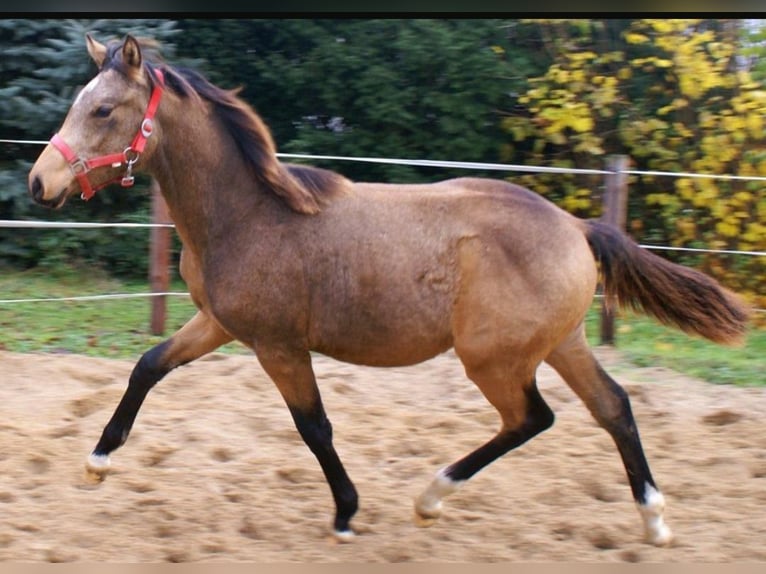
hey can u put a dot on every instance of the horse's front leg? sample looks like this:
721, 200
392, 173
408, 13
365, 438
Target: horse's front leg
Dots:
291, 371
196, 338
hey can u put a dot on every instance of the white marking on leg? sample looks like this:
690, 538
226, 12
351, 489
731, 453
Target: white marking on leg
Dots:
657, 532
429, 503
344, 535
96, 468
98, 463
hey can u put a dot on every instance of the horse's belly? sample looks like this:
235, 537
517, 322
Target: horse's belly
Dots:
394, 353
394, 337
390, 307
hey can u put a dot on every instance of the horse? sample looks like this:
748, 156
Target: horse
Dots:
292, 260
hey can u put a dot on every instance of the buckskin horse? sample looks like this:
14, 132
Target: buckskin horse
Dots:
292, 259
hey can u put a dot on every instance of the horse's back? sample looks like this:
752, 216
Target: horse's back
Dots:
530, 229
478, 199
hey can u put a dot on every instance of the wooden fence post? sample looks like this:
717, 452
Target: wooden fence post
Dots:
159, 259
615, 209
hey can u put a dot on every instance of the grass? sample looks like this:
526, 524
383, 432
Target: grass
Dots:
115, 328
646, 343
120, 328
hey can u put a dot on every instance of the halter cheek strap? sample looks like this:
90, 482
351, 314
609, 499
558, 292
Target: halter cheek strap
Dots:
80, 167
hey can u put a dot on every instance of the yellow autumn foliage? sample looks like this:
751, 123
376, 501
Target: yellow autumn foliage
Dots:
696, 113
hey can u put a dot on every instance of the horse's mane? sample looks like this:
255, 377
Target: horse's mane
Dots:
305, 189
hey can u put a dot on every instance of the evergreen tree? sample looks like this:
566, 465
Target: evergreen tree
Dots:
43, 66
422, 88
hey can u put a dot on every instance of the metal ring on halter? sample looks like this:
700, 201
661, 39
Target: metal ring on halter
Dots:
128, 179
130, 161
147, 126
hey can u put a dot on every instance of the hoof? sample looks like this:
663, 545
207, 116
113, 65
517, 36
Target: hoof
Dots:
424, 521
657, 532
427, 515
662, 536
428, 506
343, 536
96, 468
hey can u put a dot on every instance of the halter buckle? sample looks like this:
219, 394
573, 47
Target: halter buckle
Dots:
79, 167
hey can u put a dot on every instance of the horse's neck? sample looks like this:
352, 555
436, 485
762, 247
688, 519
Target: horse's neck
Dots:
204, 180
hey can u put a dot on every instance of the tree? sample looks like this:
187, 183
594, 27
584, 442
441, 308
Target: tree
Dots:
44, 64
425, 89
674, 96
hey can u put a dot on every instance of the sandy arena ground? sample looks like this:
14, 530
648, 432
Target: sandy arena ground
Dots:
214, 470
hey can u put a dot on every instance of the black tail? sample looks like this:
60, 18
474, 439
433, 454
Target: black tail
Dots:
671, 293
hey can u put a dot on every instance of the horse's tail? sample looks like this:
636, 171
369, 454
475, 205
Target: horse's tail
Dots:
671, 293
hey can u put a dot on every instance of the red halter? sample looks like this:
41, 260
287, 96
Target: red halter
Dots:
80, 167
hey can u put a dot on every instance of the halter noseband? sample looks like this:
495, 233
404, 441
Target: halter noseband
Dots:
80, 167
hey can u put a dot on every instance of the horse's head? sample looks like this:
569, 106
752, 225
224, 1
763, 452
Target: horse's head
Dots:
106, 133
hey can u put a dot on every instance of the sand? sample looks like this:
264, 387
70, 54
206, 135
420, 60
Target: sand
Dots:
215, 471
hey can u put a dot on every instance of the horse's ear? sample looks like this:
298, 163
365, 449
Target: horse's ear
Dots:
96, 50
131, 52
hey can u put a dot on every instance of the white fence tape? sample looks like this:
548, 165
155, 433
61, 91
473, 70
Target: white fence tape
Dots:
483, 166
5, 223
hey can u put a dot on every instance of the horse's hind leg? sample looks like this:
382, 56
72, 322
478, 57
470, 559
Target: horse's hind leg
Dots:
197, 337
524, 414
610, 406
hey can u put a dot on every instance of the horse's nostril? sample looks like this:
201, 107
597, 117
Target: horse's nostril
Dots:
36, 189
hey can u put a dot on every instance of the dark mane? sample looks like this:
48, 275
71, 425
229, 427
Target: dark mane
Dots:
304, 189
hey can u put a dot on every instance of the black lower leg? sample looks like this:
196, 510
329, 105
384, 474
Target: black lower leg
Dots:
539, 418
316, 431
624, 432
147, 372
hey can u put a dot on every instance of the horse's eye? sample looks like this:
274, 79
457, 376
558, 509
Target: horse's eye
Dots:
103, 111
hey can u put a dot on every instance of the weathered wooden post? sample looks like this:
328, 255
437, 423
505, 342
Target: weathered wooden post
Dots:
615, 207
159, 259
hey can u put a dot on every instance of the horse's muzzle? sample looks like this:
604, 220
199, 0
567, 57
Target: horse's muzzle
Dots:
36, 189
37, 192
